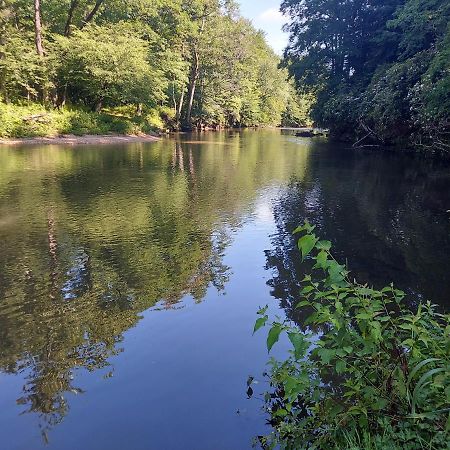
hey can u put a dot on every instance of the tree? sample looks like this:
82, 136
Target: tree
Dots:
109, 66
371, 65
38, 28
193, 63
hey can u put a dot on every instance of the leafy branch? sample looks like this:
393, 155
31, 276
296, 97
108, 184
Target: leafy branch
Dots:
377, 372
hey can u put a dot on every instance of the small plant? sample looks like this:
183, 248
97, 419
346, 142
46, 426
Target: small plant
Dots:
372, 375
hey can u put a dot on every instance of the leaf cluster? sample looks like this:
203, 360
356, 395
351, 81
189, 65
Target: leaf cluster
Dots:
374, 374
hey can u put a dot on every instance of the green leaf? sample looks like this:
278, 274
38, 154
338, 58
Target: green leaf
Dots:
302, 304
326, 355
324, 245
419, 366
280, 413
306, 244
274, 335
364, 316
307, 290
322, 260
299, 229
418, 390
299, 343
305, 227
380, 403
340, 367
260, 323
263, 311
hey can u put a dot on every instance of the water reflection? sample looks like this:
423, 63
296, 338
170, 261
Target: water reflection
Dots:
91, 237
386, 215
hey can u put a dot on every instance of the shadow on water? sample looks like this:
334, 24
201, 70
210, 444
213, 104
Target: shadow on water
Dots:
387, 216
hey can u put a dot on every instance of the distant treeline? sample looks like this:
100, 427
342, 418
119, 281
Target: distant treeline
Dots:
380, 68
197, 62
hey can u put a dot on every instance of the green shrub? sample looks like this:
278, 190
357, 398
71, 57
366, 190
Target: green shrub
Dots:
34, 120
372, 375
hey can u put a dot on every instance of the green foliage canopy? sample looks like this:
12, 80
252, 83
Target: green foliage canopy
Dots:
380, 69
198, 63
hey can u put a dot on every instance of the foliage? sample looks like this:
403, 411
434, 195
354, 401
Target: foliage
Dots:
200, 59
297, 112
34, 120
22, 74
365, 371
380, 69
108, 66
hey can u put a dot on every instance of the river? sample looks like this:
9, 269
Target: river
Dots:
130, 276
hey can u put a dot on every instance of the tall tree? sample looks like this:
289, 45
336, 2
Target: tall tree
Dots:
38, 28
73, 6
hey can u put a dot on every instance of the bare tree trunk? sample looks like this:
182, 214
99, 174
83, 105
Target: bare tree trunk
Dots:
192, 86
180, 106
73, 6
91, 15
195, 72
38, 28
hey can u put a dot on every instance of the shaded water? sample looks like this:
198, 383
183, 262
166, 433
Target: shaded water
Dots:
130, 276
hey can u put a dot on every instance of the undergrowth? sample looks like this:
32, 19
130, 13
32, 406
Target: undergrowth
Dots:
374, 374
33, 120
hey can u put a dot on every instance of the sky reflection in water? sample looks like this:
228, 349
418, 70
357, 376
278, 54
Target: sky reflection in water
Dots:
130, 276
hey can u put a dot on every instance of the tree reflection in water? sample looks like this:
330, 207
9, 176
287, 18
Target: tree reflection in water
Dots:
384, 214
92, 237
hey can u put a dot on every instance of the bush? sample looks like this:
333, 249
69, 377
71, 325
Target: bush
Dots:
374, 375
34, 120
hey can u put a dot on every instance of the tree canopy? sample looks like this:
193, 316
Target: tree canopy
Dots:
378, 67
199, 63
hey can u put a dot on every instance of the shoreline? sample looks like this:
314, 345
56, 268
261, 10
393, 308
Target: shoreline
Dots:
88, 139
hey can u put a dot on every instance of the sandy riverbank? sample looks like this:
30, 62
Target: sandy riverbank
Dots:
80, 140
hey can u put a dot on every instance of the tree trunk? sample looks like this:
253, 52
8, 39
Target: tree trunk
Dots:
180, 107
3, 28
174, 99
73, 7
38, 28
192, 86
195, 72
99, 106
91, 15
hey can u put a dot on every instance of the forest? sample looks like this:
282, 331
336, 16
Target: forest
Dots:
137, 65
375, 72
379, 69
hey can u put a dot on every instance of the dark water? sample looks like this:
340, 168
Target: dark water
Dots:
130, 276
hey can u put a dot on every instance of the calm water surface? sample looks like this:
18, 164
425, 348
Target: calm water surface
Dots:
130, 276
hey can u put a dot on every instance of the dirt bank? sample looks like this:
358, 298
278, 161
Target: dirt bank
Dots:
80, 140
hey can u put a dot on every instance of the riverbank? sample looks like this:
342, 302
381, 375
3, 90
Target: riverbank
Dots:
34, 123
88, 139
